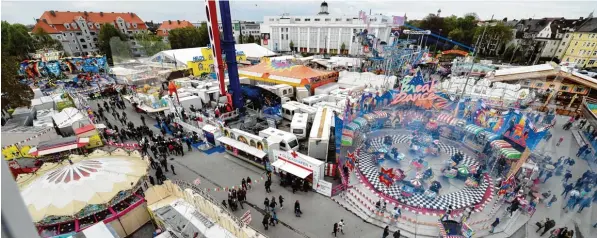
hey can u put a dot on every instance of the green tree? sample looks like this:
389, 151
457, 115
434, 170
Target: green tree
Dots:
189, 37
498, 34
151, 43
16, 40
258, 40
342, 48
14, 93
107, 32
43, 40
241, 38
507, 54
291, 44
121, 50
251, 39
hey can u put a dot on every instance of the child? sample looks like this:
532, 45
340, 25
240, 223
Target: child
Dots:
560, 141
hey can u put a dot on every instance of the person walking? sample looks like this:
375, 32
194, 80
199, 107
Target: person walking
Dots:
335, 231
494, 224
585, 202
514, 206
341, 226
249, 181
297, 209
552, 200
272, 221
243, 184
396, 234
548, 175
268, 185
272, 204
582, 149
587, 153
386, 232
281, 200
143, 120
567, 189
567, 176
447, 214
265, 221
560, 141
172, 168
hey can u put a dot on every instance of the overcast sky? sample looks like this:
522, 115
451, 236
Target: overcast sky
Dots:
25, 11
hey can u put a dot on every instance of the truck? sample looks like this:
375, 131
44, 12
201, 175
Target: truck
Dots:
312, 100
282, 90
319, 137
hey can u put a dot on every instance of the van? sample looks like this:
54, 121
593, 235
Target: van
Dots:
289, 140
298, 126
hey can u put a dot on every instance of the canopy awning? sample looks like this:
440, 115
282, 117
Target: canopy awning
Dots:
59, 147
489, 136
360, 121
500, 144
510, 153
474, 129
446, 118
290, 167
242, 146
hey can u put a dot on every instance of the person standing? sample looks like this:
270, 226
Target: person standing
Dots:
249, 181
494, 224
551, 201
587, 153
297, 209
547, 176
567, 189
514, 206
567, 176
386, 232
547, 226
396, 234
243, 184
585, 202
272, 204
143, 120
268, 185
281, 200
266, 204
560, 141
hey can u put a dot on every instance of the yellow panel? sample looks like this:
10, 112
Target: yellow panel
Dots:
94, 141
11, 152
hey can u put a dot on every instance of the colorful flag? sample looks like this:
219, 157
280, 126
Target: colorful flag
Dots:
398, 20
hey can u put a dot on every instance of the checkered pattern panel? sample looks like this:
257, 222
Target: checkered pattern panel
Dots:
461, 199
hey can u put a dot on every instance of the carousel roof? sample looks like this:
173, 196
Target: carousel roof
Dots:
63, 189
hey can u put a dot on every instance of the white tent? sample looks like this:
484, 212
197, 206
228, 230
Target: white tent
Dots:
182, 56
355, 79
69, 116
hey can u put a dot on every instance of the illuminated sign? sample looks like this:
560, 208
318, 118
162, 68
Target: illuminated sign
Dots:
240, 52
414, 89
198, 58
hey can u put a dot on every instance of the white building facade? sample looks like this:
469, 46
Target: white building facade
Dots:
321, 33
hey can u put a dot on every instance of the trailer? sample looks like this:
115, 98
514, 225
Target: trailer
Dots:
319, 137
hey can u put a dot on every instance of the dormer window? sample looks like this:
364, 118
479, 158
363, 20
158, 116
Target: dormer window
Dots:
74, 25
67, 26
128, 25
97, 25
134, 25
90, 25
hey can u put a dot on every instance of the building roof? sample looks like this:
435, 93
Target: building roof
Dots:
170, 25
588, 26
45, 27
533, 25
56, 19
282, 70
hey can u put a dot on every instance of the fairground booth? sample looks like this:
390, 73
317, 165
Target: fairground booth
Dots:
285, 72
72, 195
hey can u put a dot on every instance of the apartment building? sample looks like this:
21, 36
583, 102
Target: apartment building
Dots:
79, 31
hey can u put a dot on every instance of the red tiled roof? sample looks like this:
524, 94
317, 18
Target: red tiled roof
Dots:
59, 18
46, 27
169, 25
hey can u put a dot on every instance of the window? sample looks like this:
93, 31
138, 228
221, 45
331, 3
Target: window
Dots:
90, 25
271, 19
63, 34
317, 19
572, 51
67, 25
58, 37
82, 40
575, 43
327, 19
563, 43
74, 25
92, 33
347, 19
338, 19
539, 85
560, 51
526, 83
583, 61
94, 39
591, 61
297, 19
579, 35
128, 25
567, 35
78, 33
564, 88
76, 47
593, 45
84, 46
85, 31
307, 19
71, 34
595, 53
579, 89
134, 25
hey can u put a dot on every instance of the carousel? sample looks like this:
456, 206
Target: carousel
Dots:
65, 198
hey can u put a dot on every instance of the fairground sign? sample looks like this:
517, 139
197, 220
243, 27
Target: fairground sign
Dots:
413, 89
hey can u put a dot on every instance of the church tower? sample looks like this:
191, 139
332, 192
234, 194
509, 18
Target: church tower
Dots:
323, 9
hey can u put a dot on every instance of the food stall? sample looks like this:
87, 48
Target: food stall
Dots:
300, 165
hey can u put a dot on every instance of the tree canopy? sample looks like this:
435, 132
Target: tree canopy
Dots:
43, 40
151, 43
188, 37
16, 44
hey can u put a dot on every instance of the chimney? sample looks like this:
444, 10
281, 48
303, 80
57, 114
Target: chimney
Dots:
582, 18
45, 21
178, 21
102, 14
170, 22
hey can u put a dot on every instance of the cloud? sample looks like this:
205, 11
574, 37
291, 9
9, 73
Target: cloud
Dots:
25, 11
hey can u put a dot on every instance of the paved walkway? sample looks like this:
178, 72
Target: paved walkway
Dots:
320, 212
